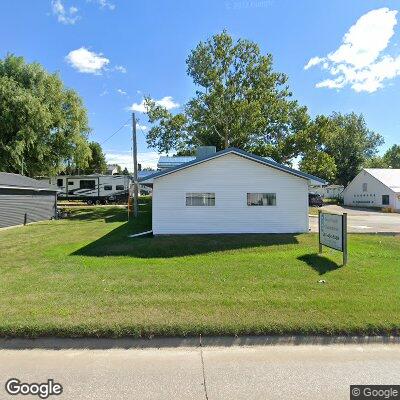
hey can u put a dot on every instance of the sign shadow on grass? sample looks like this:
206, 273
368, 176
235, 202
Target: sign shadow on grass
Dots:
319, 263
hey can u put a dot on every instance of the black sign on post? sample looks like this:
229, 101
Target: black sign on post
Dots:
332, 232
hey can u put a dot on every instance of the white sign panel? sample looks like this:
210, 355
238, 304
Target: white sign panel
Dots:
331, 230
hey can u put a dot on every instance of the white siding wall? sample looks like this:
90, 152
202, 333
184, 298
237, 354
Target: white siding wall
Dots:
230, 177
355, 196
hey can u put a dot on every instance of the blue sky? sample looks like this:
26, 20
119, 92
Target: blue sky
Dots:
339, 55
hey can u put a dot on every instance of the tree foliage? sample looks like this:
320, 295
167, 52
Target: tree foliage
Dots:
42, 124
345, 138
392, 157
320, 164
97, 163
240, 101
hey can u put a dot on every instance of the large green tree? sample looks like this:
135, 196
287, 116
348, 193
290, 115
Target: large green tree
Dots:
43, 124
342, 142
97, 163
392, 157
239, 101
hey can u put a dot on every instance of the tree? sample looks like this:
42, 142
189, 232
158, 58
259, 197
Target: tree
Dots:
97, 163
125, 171
319, 164
347, 141
376, 162
240, 101
392, 157
351, 145
43, 125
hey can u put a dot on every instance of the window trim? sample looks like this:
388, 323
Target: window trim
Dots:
108, 188
119, 186
209, 198
261, 193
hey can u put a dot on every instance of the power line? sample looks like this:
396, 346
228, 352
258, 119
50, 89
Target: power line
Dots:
123, 126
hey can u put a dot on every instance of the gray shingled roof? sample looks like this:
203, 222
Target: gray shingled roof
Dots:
16, 181
242, 153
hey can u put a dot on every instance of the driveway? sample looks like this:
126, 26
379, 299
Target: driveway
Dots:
209, 373
363, 220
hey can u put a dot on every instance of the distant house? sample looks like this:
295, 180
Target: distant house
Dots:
230, 191
328, 191
24, 200
112, 169
374, 187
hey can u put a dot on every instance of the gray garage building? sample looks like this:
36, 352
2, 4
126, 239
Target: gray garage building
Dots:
24, 200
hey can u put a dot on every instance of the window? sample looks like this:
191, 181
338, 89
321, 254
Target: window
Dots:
200, 199
385, 199
107, 187
60, 182
365, 187
86, 184
119, 187
261, 199
70, 183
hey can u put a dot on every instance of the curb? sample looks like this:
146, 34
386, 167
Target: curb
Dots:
54, 343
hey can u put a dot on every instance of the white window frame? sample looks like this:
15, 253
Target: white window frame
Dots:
208, 197
262, 194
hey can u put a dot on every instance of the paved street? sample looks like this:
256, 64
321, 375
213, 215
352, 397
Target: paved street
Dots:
363, 220
259, 372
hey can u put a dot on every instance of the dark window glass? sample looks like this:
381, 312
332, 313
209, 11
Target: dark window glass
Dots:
107, 187
119, 187
261, 199
385, 199
86, 184
60, 182
70, 183
200, 199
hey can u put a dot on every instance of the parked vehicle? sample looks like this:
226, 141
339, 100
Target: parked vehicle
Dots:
94, 189
315, 200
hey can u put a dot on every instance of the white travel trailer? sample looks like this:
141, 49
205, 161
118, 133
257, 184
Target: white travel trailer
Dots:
94, 189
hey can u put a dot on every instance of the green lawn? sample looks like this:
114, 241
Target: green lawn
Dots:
84, 276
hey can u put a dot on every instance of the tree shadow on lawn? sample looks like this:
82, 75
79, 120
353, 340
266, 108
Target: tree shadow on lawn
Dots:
117, 243
319, 263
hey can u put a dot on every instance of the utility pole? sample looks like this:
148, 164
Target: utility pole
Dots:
135, 177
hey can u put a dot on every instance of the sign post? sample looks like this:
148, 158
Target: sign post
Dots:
332, 232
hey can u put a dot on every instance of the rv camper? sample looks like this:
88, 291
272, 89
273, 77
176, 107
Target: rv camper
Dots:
94, 189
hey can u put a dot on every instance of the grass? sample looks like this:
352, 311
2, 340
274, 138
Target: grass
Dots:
85, 277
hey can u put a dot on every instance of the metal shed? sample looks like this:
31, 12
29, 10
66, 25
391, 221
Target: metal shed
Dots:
24, 200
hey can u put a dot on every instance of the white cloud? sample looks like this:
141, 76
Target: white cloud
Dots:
167, 102
87, 61
142, 127
104, 4
65, 16
121, 92
313, 61
359, 61
120, 68
124, 159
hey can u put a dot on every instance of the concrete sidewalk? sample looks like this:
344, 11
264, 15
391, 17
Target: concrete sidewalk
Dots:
257, 372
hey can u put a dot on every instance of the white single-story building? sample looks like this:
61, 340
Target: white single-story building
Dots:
374, 187
230, 191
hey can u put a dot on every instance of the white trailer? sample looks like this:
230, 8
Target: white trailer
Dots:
94, 189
